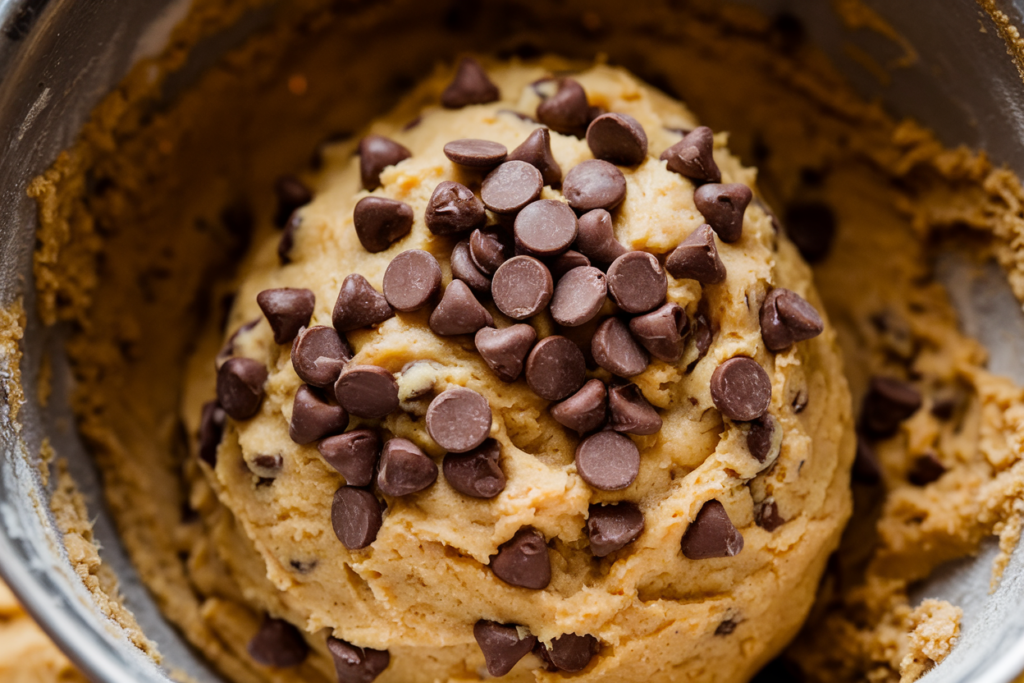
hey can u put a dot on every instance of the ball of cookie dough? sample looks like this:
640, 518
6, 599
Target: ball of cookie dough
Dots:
556, 398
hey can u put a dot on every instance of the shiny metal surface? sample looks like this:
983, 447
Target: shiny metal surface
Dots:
58, 58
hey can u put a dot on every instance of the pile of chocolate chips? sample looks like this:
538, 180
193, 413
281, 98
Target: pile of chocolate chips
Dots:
537, 255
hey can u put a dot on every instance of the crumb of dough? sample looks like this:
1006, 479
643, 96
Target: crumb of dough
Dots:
934, 627
12, 329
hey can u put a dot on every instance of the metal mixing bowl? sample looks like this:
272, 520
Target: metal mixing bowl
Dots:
59, 57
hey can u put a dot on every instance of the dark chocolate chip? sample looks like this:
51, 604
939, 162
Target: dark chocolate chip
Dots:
240, 387
523, 561
563, 263
866, 467
579, 296
287, 310
380, 222
473, 153
594, 184
356, 664
741, 389
617, 138
608, 461
596, 238
287, 241
711, 534
696, 258
555, 368
376, 153
367, 391
886, 405
629, 411
359, 305
412, 280
510, 187
459, 419
585, 410
612, 527
465, 270
702, 337
459, 312
476, 473
927, 468
319, 355
292, 194
211, 429
812, 228
501, 646
768, 517
266, 467
570, 652
536, 151
692, 156
313, 417
356, 516
787, 318
278, 644
616, 351
404, 469
567, 110
505, 350
723, 207
760, 437
353, 454
545, 228
637, 282
522, 287
726, 628
662, 332
454, 209
489, 248
469, 86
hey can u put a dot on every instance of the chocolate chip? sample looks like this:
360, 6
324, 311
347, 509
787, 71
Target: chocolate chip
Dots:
489, 248
594, 184
287, 310
741, 389
585, 410
629, 411
608, 461
522, 287
412, 280
596, 237
722, 207
887, 404
376, 153
555, 368
563, 263
367, 391
787, 318
287, 241
536, 151
696, 258
761, 437
356, 664
380, 222
768, 517
726, 628
567, 110
356, 516
523, 561
359, 305
473, 153
570, 652
702, 338
353, 454
866, 467
662, 332
501, 646
612, 527
465, 270
505, 350
579, 296
453, 209
240, 387
711, 534
469, 86
692, 156
404, 469
459, 419
292, 194
278, 644
545, 228
313, 417
637, 282
927, 468
617, 138
476, 473
812, 228
616, 351
459, 312
266, 467
211, 430
319, 355
510, 187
